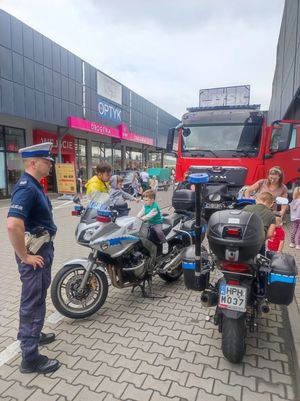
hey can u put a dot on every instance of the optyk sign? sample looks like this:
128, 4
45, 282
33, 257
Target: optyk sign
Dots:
108, 111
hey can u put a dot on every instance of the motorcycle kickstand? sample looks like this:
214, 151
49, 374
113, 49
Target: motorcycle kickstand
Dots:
150, 294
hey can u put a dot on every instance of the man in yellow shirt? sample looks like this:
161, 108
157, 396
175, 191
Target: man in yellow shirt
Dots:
100, 181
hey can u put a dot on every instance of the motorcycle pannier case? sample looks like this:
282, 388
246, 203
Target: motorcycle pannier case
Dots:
282, 279
184, 199
235, 235
189, 266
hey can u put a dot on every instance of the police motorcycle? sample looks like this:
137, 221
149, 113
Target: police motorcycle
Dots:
122, 248
249, 281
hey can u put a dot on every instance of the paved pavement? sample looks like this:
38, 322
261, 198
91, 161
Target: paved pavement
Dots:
142, 349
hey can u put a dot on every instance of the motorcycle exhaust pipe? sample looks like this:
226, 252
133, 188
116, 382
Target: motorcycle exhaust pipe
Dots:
264, 307
209, 298
173, 264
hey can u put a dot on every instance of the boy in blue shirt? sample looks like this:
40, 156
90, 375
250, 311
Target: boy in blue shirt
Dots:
151, 213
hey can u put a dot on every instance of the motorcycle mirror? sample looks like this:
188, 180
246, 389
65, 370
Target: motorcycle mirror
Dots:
76, 199
281, 201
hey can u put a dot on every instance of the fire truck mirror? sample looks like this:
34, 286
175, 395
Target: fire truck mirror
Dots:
170, 140
285, 137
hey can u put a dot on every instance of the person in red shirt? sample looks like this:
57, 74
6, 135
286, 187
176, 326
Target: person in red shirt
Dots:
275, 243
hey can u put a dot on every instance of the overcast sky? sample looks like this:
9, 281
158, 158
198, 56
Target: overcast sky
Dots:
166, 50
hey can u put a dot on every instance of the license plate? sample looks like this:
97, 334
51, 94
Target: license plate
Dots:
233, 297
213, 206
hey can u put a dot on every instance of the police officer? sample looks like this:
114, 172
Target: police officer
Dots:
31, 211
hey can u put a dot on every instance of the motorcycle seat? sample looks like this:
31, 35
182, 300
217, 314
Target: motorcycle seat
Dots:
171, 220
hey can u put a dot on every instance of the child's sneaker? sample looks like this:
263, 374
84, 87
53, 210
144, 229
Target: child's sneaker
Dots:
165, 248
292, 245
298, 247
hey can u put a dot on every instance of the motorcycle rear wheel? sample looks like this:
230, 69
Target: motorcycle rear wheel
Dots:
66, 298
233, 338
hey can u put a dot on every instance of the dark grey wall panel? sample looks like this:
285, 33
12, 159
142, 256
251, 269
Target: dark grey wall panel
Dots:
71, 65
29, 103
28, 42
29, 72
64, 111
57, 110
49, 112
39, 106
48, 79
19, 100
56, 57
72, 109
87, 75
56, 84
38, 77
5, 35
18, 68
16, 35
7, 97
64, 61
78, 94
78, 70
64, 88
93, 78
87, 98
72, 91
47, 51
38, 47
5, 63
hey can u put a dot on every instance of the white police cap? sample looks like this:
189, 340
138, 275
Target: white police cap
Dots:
42, 150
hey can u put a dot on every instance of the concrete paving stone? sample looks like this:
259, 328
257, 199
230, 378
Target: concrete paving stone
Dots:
126, 363
117, 339
134, 378
185, 355
134, 394
196, 315
18, 391
257, 372
162, 386
185, 366
150, 369
115, 321
263, 352
149, 356
170, 333
150, 328
198, 382
278, 356
156, 396
110, 371
174, 376
4, 385
39, 395
88, 342
291, 394
88, 353
197, 329
135, 333
66, 373
222, 375
155, 338
85, 364
185, 326
68, 360
286, 368
280, 378
179, 319
197, 348
254, 396
63, 345
210, 341
215, 351
101, 326
220, 388
102, 356
181, 344
161, 349
121, 350
118, 329
184, 393
88, 380
104, 346
274, 323
109, 386
275, 338
251, 360
85, 332
202, 395
273, 388
148, 321
143, 345
166, 361
6, 371
243, 381
206, 360
133, 325
269, 345
196, 338
65, 328
69, 391
164, 323
267, 329
87, 395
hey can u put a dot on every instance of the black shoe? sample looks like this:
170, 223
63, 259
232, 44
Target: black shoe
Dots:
46, 338
42, 365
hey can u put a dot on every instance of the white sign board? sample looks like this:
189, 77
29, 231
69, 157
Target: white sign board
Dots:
227, 96
109, 88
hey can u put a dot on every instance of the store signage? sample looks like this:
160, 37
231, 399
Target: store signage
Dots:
65, 177
67, 142
121, 132
226, 96
108, 111
109, 88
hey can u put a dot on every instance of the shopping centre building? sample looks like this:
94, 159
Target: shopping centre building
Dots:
49, 94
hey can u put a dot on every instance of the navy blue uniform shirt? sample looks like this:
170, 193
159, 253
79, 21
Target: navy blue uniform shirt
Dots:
31, 204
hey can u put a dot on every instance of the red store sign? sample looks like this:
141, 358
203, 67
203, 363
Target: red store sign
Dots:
67, 142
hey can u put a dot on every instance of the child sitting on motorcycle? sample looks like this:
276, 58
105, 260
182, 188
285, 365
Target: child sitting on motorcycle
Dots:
118, 197
151, 212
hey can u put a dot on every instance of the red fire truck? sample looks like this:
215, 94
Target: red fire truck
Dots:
235, 145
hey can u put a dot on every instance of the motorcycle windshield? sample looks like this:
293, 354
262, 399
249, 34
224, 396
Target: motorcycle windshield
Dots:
99, 201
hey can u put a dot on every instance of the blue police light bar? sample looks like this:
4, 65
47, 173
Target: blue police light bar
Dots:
198, 178
104, 213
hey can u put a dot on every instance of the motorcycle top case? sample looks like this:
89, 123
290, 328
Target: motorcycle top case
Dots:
235, 235
282, 279
184, 199
189, 266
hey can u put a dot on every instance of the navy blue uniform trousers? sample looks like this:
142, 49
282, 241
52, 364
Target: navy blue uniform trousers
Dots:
33, 302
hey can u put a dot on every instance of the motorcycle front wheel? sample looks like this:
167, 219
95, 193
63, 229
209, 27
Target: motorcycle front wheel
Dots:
71, 302
233, 338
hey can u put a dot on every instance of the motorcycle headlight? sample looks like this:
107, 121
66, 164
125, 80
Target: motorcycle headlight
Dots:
88, 234
104, 246
214, 197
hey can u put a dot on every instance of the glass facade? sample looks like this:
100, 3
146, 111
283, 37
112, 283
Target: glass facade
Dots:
11, 140
81, 158
133, 159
